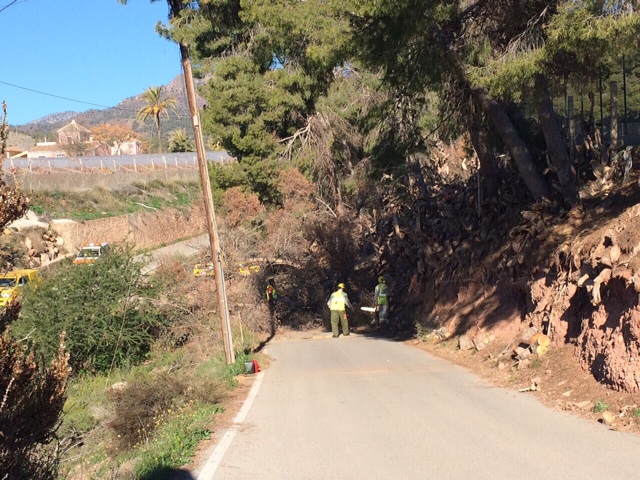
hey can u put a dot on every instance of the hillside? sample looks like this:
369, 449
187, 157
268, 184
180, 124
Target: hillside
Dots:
123, 113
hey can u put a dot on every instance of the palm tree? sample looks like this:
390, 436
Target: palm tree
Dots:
179, 141
155, 107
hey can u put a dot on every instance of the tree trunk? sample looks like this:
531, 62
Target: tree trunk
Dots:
418, 177
517, 148
485, 155
555, 143
159, 135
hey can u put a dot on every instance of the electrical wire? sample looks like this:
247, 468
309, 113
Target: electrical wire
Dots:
178, 115
12, 2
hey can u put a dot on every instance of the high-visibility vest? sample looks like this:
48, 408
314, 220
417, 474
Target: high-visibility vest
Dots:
337, 300
271, 293
382, 292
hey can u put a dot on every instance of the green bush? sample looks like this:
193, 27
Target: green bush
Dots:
224, 177
103, 308
600, 406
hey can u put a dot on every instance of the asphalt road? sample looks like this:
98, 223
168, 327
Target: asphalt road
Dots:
370, 408
185, 248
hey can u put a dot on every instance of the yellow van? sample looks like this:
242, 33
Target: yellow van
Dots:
13, 282
91, 253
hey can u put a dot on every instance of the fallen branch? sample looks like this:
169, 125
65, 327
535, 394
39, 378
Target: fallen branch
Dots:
145, 206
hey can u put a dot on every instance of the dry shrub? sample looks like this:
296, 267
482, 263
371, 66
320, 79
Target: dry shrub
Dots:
188, 303
203, 295
207, 389
171, 272
295, 188
12, 253
253, 316
241, 207
190, 330
13, 204
140, 405
32, 396
285, 236
32, 402
336, 243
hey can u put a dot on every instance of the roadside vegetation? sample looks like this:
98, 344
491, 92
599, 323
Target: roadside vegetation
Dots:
100, 203
148, 372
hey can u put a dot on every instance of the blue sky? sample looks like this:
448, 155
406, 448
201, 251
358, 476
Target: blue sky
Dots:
94, 51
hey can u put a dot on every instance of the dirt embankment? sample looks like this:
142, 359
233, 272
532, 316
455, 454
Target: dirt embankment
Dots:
574, 277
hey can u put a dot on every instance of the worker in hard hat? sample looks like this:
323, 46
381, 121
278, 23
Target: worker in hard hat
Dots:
272, 295
381, 294
337, 303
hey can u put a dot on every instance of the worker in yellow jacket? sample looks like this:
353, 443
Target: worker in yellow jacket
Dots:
337, 304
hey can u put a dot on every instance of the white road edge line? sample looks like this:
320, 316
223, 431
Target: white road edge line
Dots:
209, 469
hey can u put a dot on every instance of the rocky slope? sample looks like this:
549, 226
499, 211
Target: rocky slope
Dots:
573, 276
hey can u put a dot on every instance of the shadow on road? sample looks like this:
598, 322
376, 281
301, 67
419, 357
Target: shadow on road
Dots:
395, 335
168, 474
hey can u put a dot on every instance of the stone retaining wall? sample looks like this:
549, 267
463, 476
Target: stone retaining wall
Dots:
144, 230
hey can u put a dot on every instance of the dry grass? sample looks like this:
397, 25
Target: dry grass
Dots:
140, 405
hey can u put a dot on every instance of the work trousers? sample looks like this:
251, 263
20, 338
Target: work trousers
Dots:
339, 316
383, 313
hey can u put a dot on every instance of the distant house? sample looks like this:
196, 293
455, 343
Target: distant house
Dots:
132, 147
73, 133
46, 150
15, 152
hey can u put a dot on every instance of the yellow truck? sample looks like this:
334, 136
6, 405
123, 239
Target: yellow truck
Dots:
91, 253
13, 282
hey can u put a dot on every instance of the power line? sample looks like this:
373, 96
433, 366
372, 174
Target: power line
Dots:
9, 4
72, 99
58, 96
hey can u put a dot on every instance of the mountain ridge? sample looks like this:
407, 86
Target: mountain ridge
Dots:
124, 113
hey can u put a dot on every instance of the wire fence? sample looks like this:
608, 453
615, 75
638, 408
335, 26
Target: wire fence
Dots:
110, 164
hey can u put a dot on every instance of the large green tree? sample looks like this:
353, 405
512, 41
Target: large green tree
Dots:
417, 46
540, 49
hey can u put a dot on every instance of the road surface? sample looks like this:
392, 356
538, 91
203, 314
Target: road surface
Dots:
185, 248
370, 408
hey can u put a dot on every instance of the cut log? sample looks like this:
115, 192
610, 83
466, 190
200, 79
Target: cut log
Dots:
534, 339
465, 342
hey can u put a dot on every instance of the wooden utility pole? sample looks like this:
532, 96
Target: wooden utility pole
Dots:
214, 241
614, 115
